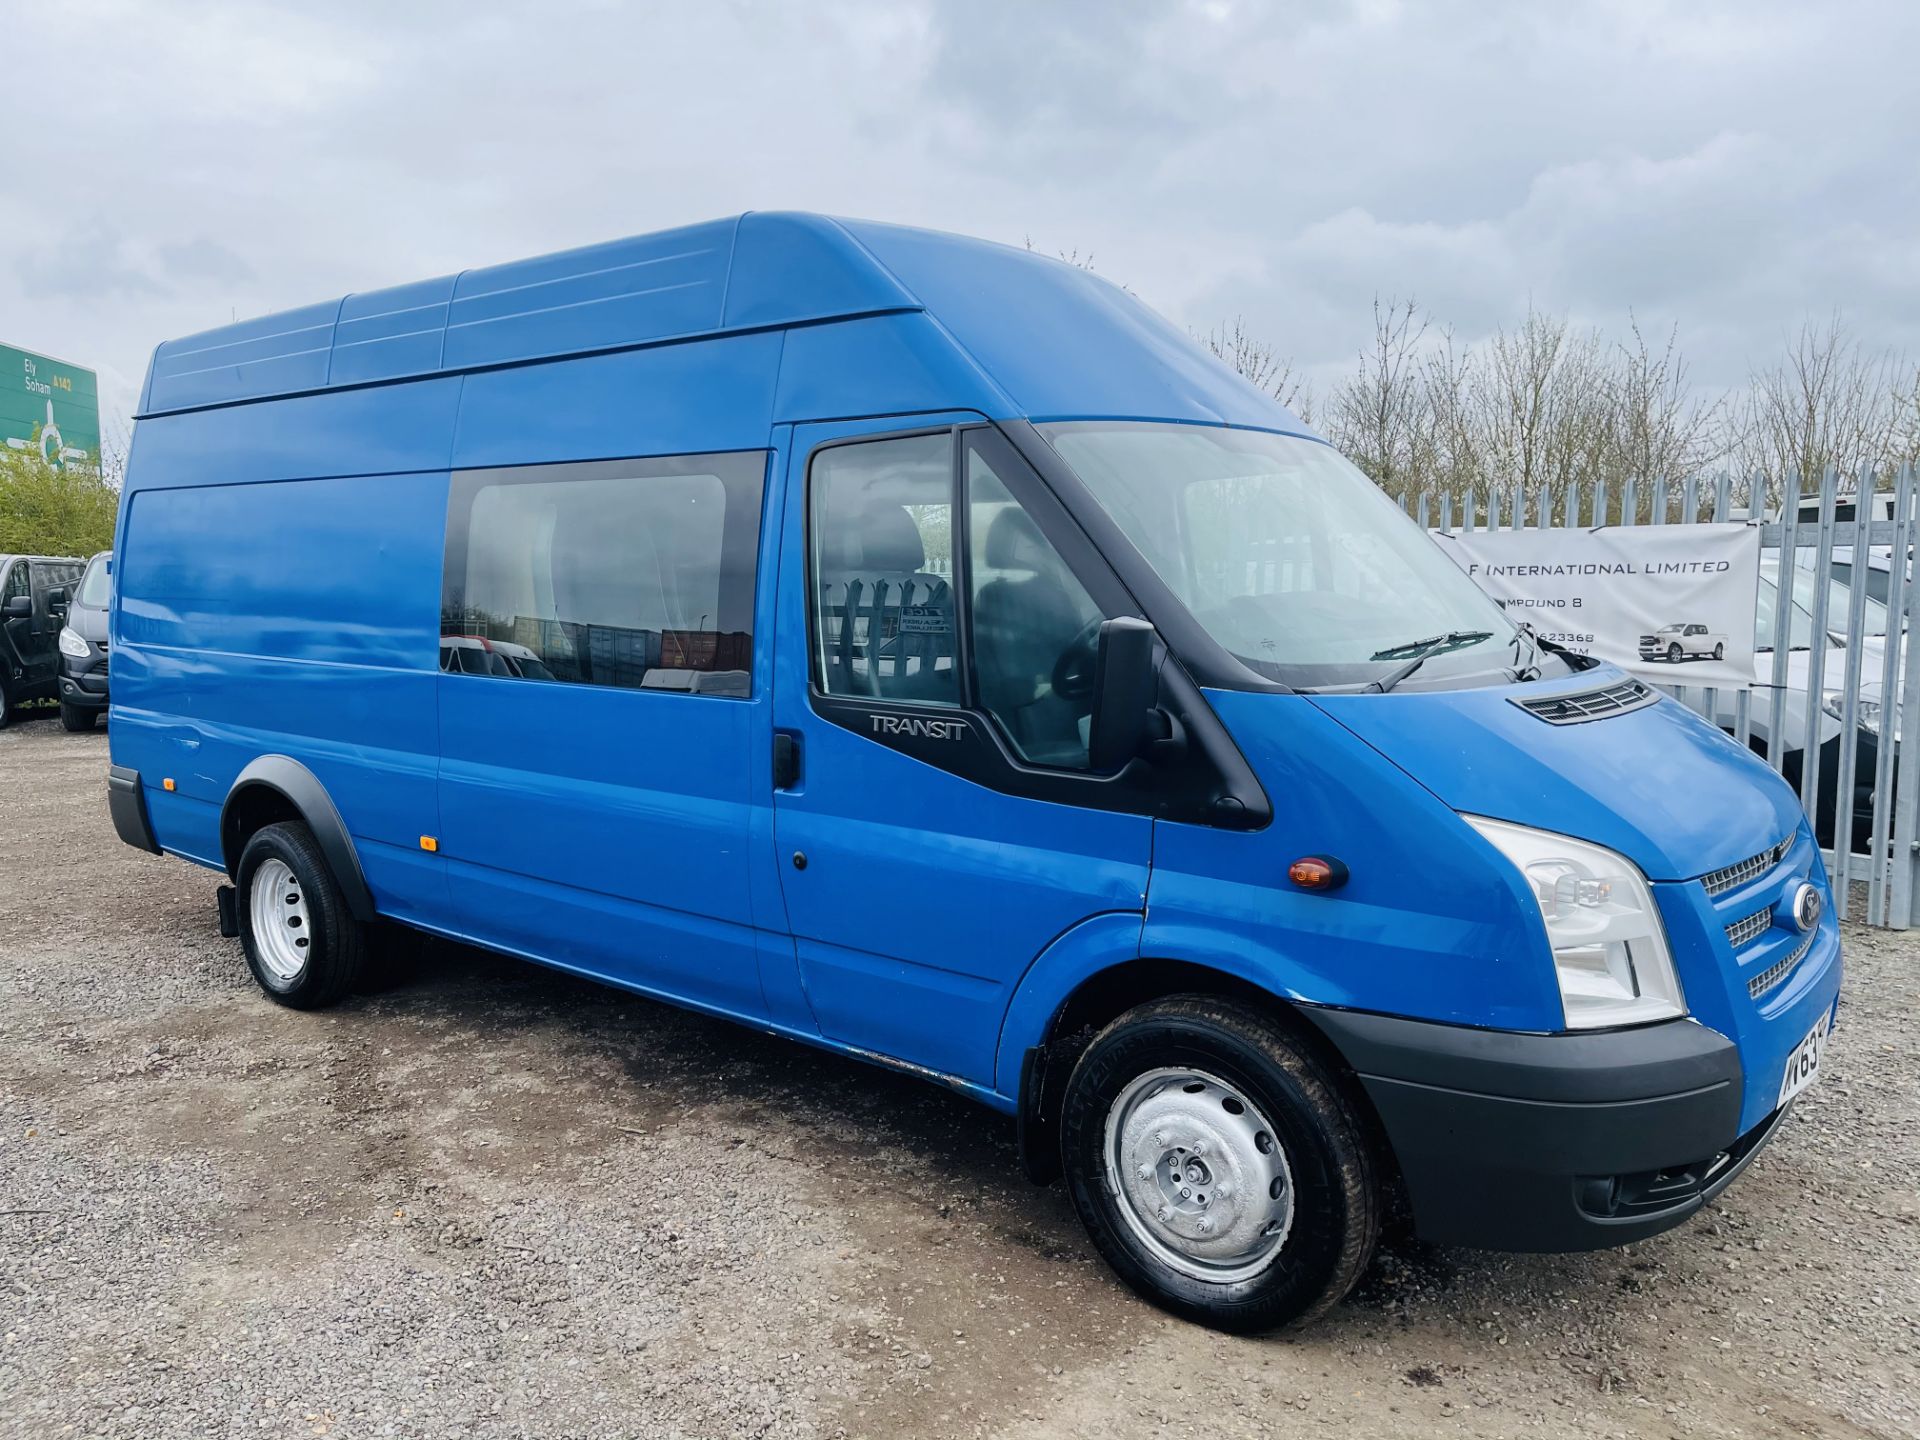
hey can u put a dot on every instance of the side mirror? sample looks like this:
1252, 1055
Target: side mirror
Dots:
18, 607
1124, 689
57, 602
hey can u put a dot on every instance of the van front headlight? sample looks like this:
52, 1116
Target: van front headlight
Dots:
1609, 949
72, 644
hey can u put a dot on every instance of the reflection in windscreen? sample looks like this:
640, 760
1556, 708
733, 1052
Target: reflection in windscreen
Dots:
1290, 557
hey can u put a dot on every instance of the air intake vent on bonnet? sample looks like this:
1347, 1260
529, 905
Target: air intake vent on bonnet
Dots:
1590, 704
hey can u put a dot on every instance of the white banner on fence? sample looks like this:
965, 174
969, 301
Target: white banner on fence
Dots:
1673, 604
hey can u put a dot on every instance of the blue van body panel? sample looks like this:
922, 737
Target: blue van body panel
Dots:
1098, 943
880, 365
325, 649
925, 897
789, 269
379, 431
1428, 926
711, 395
1039, 338
278, 591
389, 334
602, 297
606, 826
1061, 341
1660, 785
281, 354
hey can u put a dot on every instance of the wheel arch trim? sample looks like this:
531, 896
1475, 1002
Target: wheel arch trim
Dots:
300, 788
1100, 947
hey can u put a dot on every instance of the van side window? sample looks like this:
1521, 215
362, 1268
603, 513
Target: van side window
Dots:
634, 574
881, 531
1034, 627
886, 627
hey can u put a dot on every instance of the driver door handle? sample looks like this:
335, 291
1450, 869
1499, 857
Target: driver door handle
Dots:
786, 760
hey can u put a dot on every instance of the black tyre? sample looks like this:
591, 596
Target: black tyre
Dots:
77, 717
1719, 652
303, 944
6, 704
1219, 1166
1673, 654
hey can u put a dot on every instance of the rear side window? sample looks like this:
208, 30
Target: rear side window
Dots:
635, 574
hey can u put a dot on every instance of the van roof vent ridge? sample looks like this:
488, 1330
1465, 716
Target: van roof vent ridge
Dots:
1585, 705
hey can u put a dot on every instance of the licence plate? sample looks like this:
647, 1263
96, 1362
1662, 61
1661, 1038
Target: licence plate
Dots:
1803, 1065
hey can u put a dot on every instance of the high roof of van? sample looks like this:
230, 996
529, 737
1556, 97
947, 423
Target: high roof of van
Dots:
1045, 335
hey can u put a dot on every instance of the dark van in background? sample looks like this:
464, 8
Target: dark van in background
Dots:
83, 647
918, 648
34, 592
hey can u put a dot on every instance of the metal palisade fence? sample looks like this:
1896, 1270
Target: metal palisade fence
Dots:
1842, 558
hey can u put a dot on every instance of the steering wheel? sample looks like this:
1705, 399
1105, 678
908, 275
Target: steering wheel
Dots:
1074, 672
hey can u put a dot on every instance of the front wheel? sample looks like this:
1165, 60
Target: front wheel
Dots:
1218, 1165
302, 942
1673, 654
77, 717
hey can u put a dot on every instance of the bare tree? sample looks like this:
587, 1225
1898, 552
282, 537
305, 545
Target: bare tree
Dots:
1905, 447
1260, 364
1378, 416
1659, 427
1541, 405
1827, 403
1452, 447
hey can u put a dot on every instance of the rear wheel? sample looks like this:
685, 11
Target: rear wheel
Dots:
1720, 652
77, 717
1218, 1165
302, 942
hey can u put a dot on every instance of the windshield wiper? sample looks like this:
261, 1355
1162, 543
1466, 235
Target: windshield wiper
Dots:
1417, 651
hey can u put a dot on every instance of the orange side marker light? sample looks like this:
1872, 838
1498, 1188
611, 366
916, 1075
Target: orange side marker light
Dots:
429, 844
1317, 872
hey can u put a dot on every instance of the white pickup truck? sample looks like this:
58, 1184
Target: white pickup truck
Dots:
1674, 643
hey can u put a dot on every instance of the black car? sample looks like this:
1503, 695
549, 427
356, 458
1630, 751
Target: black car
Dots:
83, 647
34, 590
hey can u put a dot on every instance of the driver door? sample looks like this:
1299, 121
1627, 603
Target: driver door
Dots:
931, 693
26, 648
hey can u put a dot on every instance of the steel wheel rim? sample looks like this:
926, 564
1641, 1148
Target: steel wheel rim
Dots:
1199, 1174
282, 931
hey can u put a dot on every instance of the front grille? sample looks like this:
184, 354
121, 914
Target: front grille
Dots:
1721, 881
1741, 931
1771, 977
1590, 704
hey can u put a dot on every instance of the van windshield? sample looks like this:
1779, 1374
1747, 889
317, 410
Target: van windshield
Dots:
1291, 558
96, 587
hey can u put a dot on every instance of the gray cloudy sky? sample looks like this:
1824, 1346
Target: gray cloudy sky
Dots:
1732, 167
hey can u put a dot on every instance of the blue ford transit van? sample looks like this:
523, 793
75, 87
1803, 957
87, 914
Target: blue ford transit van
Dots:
915, 647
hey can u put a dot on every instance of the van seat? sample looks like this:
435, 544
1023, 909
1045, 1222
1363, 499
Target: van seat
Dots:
888, 622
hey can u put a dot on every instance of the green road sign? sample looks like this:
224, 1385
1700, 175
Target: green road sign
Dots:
49, 408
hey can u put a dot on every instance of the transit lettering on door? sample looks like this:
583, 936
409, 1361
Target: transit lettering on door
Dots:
915, 726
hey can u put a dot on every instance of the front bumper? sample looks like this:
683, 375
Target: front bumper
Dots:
1533, 1142
84, 682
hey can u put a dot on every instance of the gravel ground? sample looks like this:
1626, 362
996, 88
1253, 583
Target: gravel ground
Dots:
494, 1201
